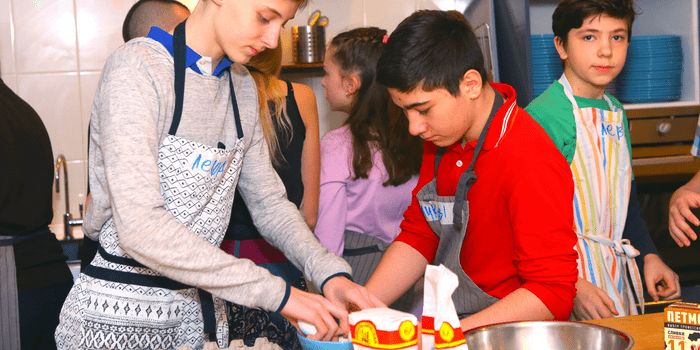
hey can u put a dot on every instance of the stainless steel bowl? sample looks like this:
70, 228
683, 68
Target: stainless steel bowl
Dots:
555, 335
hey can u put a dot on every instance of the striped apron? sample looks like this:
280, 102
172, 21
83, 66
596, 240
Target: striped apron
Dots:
602, 176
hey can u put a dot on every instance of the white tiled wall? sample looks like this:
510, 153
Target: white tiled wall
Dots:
52, 52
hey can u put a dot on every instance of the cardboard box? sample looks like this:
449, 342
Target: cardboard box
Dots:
682, 326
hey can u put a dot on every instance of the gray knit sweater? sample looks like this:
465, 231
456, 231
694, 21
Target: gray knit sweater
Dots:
131, 115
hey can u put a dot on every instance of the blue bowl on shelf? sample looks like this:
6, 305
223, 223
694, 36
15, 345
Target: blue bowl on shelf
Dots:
655, 38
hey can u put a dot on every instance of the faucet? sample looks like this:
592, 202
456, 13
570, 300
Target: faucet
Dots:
68, 221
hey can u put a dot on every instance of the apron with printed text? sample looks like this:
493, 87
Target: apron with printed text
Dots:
118, 303
448, 217
602, 176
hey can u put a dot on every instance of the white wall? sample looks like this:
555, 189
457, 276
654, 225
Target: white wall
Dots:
52, 53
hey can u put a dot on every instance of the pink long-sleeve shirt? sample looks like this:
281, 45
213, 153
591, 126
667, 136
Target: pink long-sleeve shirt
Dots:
364, 205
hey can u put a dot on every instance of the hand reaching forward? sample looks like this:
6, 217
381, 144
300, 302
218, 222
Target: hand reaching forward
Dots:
351, 296
660, 280
318, 311
679, 211
591, 302
342, 295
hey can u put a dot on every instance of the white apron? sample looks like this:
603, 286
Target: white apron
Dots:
117, 303
602, 174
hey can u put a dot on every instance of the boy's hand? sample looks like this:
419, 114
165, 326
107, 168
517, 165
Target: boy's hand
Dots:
318, 311
591, 302
351, 296
679, 211
660, 280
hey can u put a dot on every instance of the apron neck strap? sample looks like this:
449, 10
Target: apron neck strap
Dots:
468, 177
497, 103
570, 93
180, 57
234, 105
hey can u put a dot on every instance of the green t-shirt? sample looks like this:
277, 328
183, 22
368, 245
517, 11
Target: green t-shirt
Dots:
553, 111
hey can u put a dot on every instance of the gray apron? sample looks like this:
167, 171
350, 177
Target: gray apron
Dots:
117, 303
9, 303
448, 217
363, 252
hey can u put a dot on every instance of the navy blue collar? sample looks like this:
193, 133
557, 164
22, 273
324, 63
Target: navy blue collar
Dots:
166, 40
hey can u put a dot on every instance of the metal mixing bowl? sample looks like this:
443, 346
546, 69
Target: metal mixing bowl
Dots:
555, 335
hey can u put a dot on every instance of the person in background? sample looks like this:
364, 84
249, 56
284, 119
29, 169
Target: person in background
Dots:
493, 199
142, 16
682, 200
164, 14
589, 127
370, 165
175, 131
289, 120
34, 276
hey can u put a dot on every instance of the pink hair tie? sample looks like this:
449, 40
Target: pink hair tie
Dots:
384, 40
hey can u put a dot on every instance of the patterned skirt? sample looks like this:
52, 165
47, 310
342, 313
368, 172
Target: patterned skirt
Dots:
249, 324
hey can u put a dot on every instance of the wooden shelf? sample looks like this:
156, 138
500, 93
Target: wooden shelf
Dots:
302, 68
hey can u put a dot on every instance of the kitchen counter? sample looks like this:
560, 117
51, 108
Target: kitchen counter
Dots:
646, 330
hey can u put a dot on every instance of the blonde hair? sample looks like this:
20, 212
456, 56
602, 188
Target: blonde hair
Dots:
271, 94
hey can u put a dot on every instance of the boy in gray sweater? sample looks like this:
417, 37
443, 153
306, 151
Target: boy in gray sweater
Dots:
174, 130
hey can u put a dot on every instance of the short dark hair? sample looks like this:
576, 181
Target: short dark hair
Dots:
570, 14
136, 26
433, 49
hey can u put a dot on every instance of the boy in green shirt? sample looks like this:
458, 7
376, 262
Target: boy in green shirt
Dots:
590, 129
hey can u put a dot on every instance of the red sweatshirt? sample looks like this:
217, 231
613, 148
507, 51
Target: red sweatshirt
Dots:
520, 231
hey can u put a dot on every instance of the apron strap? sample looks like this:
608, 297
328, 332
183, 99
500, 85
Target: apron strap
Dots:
497, 103
234, 103
180, 57
9, 303
205, 298
207, 302
469, 176
438, 156
624, 249
621, 247
357, 243
12, 240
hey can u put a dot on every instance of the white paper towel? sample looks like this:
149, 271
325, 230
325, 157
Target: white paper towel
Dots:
440, 324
